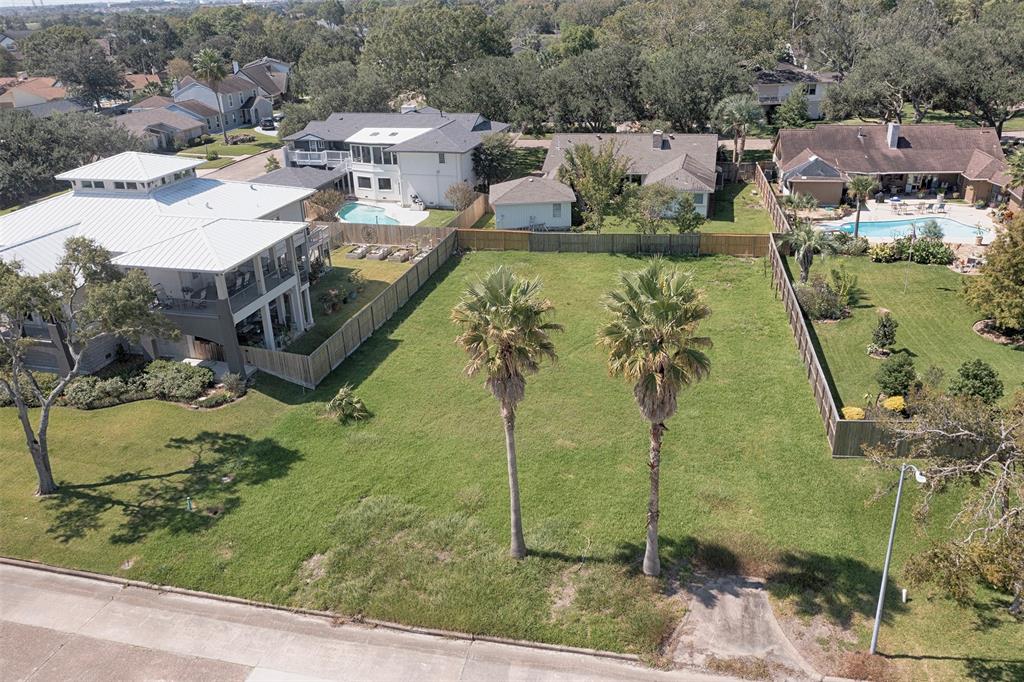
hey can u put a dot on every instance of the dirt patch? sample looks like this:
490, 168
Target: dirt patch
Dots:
313, 568
984, 329
128, 563
563, 592
750, 668
225, 552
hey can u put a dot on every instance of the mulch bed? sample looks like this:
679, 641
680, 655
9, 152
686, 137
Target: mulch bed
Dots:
985, 329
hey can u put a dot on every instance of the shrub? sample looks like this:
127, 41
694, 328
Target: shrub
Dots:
853, 413
896, 376
215, 400
461, 195
977, 379
177, 381
843, 284
884, 335
847, 245
886, 252
926, 251
819, 300
234, 384
896, 403
931, 230
345, 406
46, 382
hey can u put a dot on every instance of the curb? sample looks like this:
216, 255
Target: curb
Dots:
333, 618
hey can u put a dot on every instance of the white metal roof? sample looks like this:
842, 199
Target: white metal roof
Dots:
131, 167
385, 136
214, 246
129, 222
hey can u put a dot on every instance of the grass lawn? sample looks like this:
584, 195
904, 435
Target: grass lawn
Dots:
437, 218
486, 221
938, 116
405, 517
262, 144
935, 326
737, 210
378, 275
219, 163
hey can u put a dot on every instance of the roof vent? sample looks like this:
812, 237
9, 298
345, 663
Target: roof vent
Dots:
252, 187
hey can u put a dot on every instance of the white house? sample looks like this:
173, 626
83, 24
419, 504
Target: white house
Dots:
532, 202
403, 157
229, 260
239, 97
772, 87
683, 162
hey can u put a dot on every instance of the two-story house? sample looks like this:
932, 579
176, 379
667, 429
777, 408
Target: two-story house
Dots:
409, 157
229, 261
239, 98
268, 74
773, 85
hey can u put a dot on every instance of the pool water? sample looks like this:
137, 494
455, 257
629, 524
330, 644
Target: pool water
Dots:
952, 230
354, 212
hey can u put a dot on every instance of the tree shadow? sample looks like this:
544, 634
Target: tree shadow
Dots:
980, 669
838, 588
221, 464
356, 368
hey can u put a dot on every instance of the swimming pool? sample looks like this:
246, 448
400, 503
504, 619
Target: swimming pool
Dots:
952, 230
354, 212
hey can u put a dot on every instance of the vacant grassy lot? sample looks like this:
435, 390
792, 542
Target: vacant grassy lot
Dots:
405, 517
262, 144
935, 326
378, 275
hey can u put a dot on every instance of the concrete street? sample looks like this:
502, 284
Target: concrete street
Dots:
56, 627
248, 168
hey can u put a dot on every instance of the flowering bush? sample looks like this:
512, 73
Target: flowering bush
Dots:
853, 413
895, 404
926, 251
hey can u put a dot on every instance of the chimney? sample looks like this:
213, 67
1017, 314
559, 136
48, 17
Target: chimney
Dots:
656, 139
407, 107
892, 135
234, 67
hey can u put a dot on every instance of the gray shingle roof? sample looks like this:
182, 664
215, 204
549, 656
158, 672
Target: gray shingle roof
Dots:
448, 132
263, 79
57, 106
301, 176
784, 72
230, 84
531, 190
139, 121
197, 108
686, 162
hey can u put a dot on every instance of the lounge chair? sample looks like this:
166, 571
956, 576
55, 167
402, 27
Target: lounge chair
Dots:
928, 209
940, 207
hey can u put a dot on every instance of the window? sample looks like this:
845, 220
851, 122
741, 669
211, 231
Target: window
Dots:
377, 155
363, 182
390, 159
131, 185
97, 184
87, 183
698, 199
556, 210
812, 89
384, 184
440, 157
231, 101
118, 185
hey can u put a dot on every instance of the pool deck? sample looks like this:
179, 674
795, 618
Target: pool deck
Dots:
404, 216
962, 213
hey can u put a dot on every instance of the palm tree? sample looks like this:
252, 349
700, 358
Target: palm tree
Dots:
208, 66
860, 188
505, 332
805, 241
1015, 168
651, 343
793, 203
736, 114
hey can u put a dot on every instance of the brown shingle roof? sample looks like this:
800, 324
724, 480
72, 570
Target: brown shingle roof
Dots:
685, 162
152, 102
139, 121
932, 148
198, 108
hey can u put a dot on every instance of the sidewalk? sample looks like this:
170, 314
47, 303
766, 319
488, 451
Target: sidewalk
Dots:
64, 627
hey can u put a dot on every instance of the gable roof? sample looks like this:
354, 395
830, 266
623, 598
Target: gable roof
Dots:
685, 162
196, 107
440, 131
152, 102
784, 72
54, 106
130, 167
808, 166
140, 80
922, 148
139, 121
45, 87
530, 190
302, 176
263, 61
229, 85
274, 84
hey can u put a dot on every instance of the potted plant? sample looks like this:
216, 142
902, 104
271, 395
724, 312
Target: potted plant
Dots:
357, 281
921, 194
979, 234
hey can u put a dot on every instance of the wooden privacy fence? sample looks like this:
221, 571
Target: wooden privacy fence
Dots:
692, 244
770, 201
310, 370
467, 218
341, 233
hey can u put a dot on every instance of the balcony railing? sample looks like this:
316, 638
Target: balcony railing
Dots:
245, 296
329, 158
187, 306
274, 279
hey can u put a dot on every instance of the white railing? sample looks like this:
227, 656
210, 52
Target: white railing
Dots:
329, 158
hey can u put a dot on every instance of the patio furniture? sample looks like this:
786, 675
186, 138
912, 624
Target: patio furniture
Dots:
199, 301
928, 209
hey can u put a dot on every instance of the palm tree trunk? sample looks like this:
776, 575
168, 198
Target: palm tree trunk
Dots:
736, 151
856, 221
806, 259
743, 143
220, 109
652, 564
518, 546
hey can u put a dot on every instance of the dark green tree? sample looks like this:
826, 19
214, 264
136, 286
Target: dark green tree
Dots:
92, 78
977, 379
884, 335
495, 159
792, 113
897, 376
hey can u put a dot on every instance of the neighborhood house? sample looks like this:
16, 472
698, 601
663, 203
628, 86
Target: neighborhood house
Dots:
229, 261
773, 85
904, 159
532, 202
683, 162
411, 157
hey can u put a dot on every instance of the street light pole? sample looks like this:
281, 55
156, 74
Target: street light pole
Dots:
919, 477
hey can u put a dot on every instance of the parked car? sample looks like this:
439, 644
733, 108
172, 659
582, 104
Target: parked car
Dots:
268, 124
278, 117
